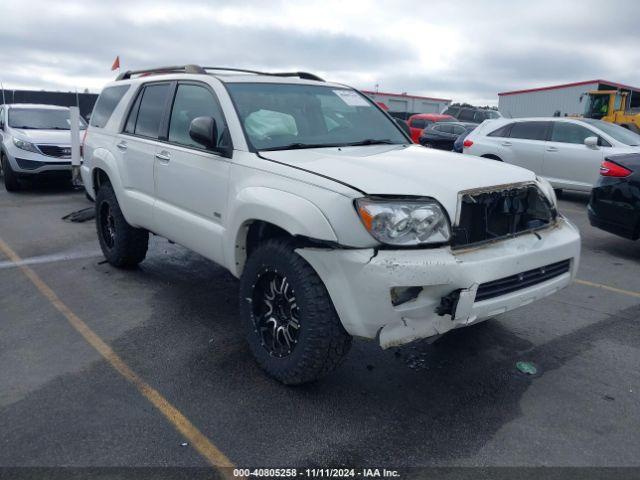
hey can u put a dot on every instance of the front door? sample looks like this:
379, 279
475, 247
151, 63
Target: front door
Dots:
192, 182
568, 162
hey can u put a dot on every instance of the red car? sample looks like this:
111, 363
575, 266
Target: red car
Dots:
420, 121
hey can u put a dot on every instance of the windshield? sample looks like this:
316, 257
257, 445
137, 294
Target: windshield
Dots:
619, 133
41, 119
287, 116
490, 114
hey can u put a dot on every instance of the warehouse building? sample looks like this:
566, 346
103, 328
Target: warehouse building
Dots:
85, 101
545, 101
401, 105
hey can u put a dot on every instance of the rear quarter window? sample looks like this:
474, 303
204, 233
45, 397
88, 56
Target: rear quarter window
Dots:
106, 104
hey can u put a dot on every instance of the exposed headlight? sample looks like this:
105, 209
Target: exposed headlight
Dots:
24, 145
548, 191
404, 222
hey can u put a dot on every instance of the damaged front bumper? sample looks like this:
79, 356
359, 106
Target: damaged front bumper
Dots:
444, 282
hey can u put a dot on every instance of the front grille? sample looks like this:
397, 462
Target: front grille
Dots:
55, 151
503, 286
33, 164
488, 215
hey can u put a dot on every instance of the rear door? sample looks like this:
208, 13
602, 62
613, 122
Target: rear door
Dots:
525, 146
568, 162
191, 181
136, 148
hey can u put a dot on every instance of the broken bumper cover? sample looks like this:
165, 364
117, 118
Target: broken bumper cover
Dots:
360, 282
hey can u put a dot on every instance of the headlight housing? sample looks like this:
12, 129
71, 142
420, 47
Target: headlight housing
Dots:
24, 145
547, 189
404, 222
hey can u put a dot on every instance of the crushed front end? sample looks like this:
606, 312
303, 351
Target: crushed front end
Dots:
510, 247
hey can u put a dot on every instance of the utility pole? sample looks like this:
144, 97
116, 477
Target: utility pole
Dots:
3, 99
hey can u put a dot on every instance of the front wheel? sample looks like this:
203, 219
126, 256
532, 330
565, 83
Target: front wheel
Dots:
123, 246
294, 332
11, 182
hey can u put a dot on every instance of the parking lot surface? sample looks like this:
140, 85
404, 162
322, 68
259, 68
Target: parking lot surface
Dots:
197, 397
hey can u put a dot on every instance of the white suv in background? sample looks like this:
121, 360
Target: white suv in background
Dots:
34, 140
309, 193
567, 152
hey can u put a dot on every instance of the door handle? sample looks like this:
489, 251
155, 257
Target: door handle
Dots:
506, 144
163, 156
552, 149
122, 145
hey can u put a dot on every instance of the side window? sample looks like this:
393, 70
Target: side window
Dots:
466, 115
192, 101
529, 130
106, 104
570, 133
151, 108
458, 130
418, 123
130, 127
502, 131
453, 111
445, 128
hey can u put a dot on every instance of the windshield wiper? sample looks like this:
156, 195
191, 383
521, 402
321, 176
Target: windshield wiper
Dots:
371, 141
297, 146
23, 127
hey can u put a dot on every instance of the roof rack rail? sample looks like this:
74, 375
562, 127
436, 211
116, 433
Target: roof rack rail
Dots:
302, 75
149, 71
202, 70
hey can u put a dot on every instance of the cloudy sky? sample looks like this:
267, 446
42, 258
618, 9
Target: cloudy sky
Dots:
463, 50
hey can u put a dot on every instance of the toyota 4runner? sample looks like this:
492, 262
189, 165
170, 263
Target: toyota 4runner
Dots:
335, 223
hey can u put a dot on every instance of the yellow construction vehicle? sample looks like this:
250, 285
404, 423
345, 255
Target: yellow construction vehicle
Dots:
611, 106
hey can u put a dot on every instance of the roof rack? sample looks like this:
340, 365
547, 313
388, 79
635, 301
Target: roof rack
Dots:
149, 71
197, 69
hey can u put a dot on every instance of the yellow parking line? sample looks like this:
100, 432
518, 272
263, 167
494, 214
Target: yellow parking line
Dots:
181, 423
607, 287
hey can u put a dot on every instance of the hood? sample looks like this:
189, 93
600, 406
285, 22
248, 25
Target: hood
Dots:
54, 137
399, 170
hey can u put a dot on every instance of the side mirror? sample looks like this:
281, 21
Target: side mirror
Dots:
403, 125
204, 131
591, 142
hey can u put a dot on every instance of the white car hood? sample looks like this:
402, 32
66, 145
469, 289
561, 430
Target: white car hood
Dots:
399, 170
53, 137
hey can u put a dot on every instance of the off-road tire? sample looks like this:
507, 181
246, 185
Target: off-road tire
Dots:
11, 182
322, 341
128, 244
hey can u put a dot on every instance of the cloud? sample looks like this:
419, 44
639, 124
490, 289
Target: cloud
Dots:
464, 50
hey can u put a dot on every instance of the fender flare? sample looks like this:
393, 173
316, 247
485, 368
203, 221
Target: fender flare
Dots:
292, 213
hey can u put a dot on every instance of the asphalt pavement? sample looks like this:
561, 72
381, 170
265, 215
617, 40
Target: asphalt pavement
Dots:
173, 324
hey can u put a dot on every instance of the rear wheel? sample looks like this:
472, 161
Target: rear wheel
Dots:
294, 332
123, 246
11, 182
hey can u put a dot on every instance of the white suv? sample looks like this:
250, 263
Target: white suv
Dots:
567, 152
34, 140
335, 223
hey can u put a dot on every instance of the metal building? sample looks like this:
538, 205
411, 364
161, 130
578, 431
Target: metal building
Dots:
401, 105
545, 101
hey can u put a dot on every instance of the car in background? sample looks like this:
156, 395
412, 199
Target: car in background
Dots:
472, 114
565, 151
34, 140
615, 200
442, 135
458, 145
420, 121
